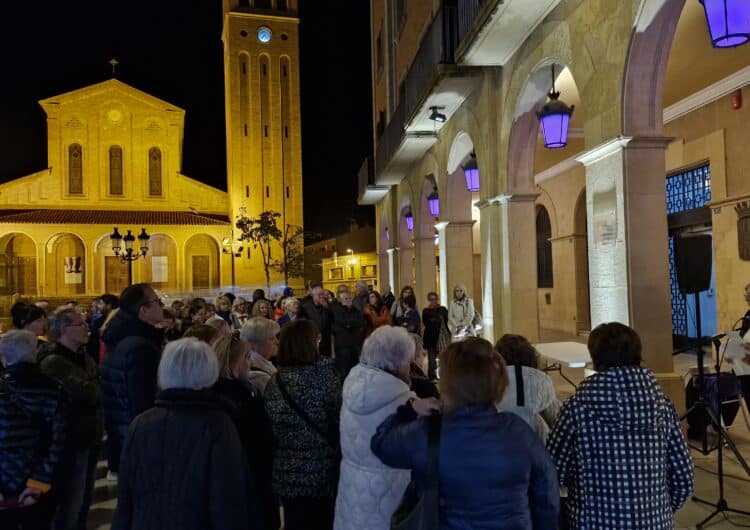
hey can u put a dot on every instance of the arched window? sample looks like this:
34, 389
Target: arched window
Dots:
154, 172
115, 170
75, 169
543, 248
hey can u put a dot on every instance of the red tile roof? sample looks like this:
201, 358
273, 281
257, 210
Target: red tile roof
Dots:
116, 217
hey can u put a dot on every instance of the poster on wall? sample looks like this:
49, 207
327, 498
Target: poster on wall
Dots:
73, 267
159, 269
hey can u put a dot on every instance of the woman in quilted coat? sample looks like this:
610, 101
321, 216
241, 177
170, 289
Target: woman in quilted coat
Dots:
369, 491
303, 401
617, 442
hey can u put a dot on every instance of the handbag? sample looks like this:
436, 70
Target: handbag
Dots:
444, 337
419, 508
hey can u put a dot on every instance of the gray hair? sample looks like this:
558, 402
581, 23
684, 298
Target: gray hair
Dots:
188, 363
60, 321
18, 346
288, 301
387, 348
258, 329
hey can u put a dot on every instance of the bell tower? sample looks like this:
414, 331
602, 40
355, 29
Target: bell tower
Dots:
262, 105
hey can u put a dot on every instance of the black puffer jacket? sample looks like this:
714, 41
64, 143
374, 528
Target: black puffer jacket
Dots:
305, 464
129, 371
183, 468
32, 428
246, 408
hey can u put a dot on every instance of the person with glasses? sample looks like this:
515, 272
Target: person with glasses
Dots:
133, 341
66, 361
246, 408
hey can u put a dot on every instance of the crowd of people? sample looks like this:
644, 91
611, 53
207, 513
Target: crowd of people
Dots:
317, 412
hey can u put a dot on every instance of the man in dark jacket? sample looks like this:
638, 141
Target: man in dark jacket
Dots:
103, 306
32, 434
317, 309
67, 362
129, 373
348, 331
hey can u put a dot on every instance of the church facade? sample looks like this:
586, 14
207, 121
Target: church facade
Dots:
115, 158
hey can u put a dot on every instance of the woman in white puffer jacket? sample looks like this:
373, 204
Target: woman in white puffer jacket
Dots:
369, 491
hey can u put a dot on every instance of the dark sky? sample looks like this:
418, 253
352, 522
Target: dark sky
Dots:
172, 50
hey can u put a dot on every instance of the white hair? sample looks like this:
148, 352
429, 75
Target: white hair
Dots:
188, 363
387, 348
258, 329
288, 301
18, 346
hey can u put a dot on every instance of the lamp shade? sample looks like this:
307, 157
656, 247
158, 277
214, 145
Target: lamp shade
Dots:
433, 200
129, 239
471, 172
554, 118
728, 22
143, 239
116, 239
409, 221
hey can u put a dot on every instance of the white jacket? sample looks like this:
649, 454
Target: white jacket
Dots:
541, 405
461, 315
369, 491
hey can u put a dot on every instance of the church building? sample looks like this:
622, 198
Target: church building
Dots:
115, 159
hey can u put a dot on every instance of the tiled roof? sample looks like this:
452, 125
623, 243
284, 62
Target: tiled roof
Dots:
110, 217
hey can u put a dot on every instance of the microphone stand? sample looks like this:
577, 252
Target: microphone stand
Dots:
720, 506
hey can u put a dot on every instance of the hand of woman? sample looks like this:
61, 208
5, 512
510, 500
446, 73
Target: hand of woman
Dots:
29, 496
426, 406
746, 359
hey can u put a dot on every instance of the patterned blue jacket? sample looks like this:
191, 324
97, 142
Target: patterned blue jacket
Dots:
618, 448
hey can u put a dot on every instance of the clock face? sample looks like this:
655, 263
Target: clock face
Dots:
114, 115
264, 35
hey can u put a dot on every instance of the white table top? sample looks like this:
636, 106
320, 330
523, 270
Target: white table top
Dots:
572, 354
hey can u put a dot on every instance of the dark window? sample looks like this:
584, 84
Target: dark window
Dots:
380, 126
75, 169
263, 4
379, 53
400, 15
115, 170
247, 191
268, 192
543, 248
154, 172
281, 5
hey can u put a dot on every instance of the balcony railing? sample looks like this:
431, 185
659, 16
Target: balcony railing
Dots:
438, 46
468, 13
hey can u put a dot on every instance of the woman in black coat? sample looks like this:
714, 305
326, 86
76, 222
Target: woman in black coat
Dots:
248, 413
183, 466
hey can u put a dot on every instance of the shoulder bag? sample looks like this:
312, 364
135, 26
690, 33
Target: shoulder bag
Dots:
420, 506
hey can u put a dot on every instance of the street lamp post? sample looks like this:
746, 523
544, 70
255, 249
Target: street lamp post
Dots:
233, 247
128, 255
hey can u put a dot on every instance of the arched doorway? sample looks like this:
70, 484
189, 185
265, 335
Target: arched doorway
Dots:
65, 265
159, 268
112, 275
18, 261
581, 252
201, 264
405, 250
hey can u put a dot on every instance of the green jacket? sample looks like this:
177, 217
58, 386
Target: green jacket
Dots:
78, 375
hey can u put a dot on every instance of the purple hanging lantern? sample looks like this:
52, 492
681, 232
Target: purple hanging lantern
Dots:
471, 172
409, 221
728, 22
434, 202
554, 117
387, 234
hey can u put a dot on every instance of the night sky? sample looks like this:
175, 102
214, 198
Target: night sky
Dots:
172, 50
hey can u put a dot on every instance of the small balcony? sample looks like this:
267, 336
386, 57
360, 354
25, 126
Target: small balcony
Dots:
433, 80
369, 192
491, 31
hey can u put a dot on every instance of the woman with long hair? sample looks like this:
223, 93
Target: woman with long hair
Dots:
376, 314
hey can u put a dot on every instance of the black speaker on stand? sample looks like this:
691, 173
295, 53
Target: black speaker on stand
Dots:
693, 266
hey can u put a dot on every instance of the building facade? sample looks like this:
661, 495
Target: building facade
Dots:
560, 239
115, 159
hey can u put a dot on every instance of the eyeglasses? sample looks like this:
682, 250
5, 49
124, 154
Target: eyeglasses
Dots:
80, 324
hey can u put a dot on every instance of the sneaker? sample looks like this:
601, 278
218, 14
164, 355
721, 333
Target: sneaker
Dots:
111, 476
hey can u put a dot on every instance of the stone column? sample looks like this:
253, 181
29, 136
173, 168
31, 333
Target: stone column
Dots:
391, 268
426, 279
627, 240
456, 258
509, 283
383, 270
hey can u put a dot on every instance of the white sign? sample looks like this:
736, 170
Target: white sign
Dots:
159, 269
